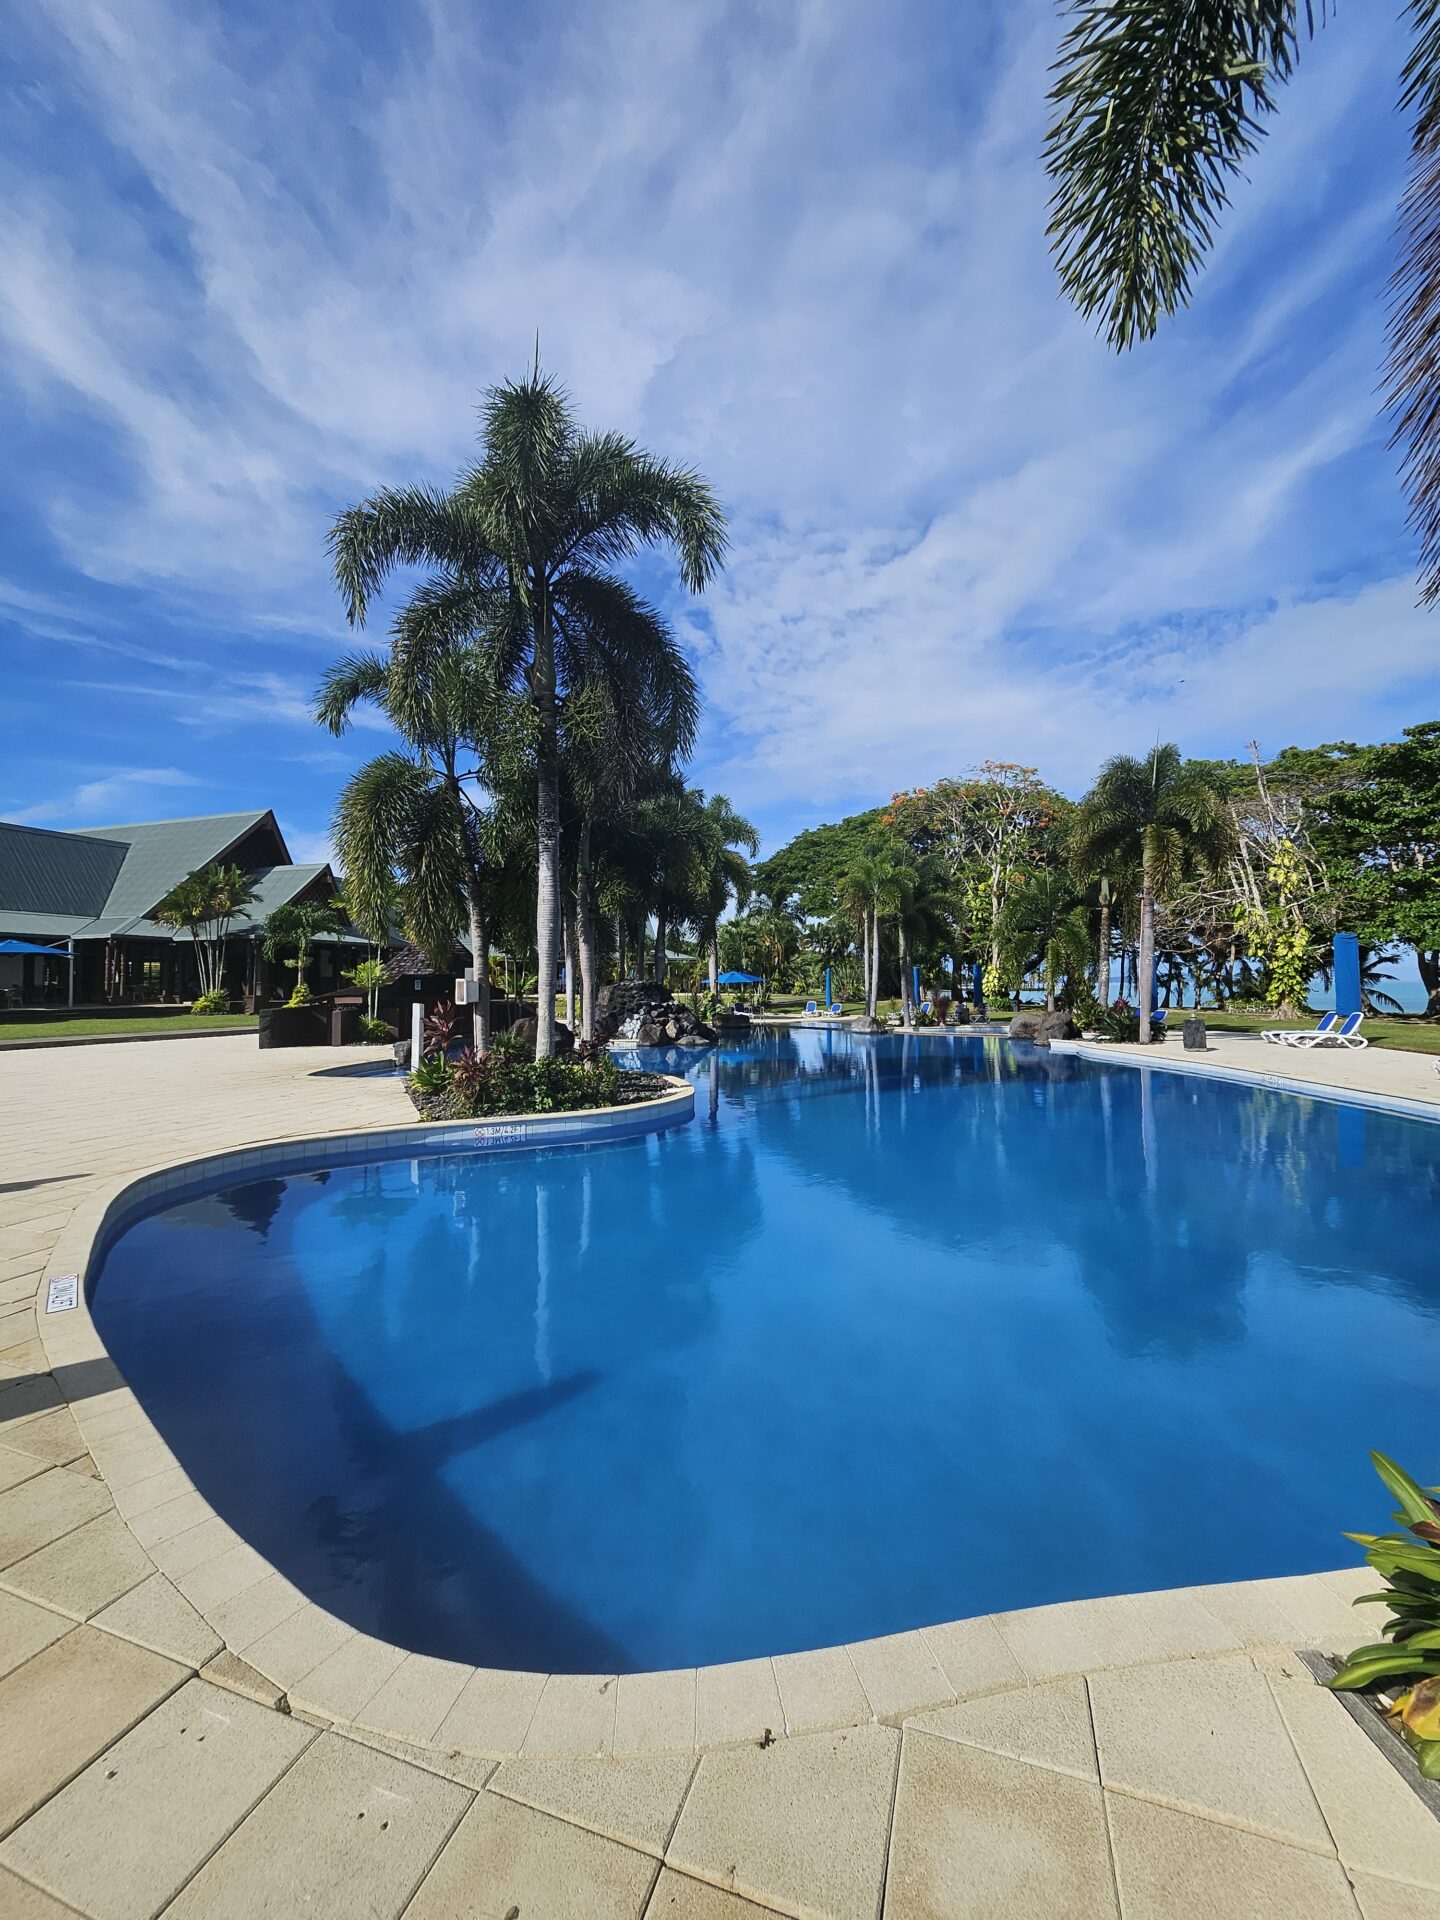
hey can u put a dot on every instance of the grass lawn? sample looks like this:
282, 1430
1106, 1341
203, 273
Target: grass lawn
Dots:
32, 1031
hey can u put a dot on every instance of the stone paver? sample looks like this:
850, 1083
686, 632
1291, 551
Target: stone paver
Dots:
517, 1860
1377, 1822
819, 1690
978, 1833
677, 1897
19, 1900
899, 1674
1169, 1863
574, 1714
131, 1830
655, 1710
41, 1510
736, 1702
345, 1825
634, 1800
159, 1616
1382, 1899
59, 1709
1082, 1635
1048, 1724
85, 1571
803, 1820
25, 1629
1206, 1736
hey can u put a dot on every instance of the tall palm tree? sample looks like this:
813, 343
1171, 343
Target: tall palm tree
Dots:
1158, 104
1044, 924
427, 815
523, 548
1170, 816
724, 872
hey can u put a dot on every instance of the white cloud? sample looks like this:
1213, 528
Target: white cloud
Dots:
802, 246
109, 795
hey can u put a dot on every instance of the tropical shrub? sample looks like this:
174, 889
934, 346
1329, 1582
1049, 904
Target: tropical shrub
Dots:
439, 1028
1409, 1653
375, 1032
300, 995
1118, 1021
217, 1000
474, 1085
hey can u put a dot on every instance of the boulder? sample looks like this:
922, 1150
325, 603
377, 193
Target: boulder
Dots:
862, 1023
1041, 1028
524, 1032
646, 1014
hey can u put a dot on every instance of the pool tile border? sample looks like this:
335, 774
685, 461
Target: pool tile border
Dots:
360, 1682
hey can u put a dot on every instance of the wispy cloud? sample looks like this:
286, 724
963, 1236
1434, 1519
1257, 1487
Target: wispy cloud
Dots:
112, 793
257, 264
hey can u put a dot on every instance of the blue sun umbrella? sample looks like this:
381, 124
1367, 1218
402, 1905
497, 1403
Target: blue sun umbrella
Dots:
733, 979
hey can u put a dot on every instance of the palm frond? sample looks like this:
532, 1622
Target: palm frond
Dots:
1157, 105
354, 678
1412, 370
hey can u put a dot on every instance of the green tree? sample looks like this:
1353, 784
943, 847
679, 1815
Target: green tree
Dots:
524, 546
1158, 104
294, 928
1044, 927
421, 828
1167, 815
205, 904
723, 872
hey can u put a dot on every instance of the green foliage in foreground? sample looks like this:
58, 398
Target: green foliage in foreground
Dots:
1409, 1654
476, 1085
35, 1032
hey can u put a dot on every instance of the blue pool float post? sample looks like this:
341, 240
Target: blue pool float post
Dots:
1347, 974
915, 986
829, 1001
977, 985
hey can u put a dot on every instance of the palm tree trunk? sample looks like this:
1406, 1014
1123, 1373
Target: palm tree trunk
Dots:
907, 998
480, 963
662, 937
547, 821
1145, 961
872, 1000
714, 963
619, 946
585, 932
1102, 966
567, 943
865, 960
1427, 959
1051, 957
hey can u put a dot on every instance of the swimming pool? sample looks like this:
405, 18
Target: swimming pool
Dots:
895, 1331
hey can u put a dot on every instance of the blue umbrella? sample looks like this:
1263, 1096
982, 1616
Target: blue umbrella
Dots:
28, 946
733, 979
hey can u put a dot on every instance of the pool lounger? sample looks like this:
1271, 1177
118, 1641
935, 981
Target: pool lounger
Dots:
1347, 1034
1282, 1036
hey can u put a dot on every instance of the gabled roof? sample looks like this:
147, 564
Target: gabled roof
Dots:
161, 852
276, 886
51, 874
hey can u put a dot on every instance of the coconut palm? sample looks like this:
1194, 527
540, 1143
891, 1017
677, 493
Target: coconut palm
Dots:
1157, 107
725, 879
523, 548
1044, 925
1167, 814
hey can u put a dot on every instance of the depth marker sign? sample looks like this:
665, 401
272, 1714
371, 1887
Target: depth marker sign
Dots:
63, 1293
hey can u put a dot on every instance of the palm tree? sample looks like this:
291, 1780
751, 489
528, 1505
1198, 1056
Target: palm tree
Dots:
294, 928
1170, 816
1157, 107
523, 548
1045, 925
428, 814
205, 903
724, 872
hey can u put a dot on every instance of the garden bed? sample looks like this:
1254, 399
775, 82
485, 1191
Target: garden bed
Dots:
496, 1085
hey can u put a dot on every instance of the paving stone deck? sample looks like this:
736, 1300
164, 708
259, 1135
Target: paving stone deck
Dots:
209, 1751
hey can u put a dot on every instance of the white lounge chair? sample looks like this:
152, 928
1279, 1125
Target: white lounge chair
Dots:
1347, 1034
810, 1007
1282, 1036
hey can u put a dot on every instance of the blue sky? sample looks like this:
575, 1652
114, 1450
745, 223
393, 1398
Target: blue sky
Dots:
262, 259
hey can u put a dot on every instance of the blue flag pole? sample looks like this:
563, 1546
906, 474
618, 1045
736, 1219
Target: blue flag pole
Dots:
827, 986
1347, 974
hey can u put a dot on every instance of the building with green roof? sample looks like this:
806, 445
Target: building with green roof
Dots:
92, 890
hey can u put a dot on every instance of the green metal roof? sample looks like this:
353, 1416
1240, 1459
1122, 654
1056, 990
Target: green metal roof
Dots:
99, 883
42, 872
161, 852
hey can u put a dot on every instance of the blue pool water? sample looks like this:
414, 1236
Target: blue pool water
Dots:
892, 1332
